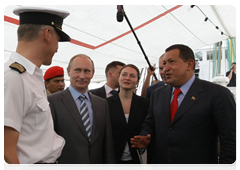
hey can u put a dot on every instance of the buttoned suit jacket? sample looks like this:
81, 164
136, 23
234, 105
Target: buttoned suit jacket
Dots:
207, 111
101, 92
123, 131
153, 87
69, 125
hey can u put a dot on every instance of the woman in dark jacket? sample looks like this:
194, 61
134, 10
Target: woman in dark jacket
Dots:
127, 113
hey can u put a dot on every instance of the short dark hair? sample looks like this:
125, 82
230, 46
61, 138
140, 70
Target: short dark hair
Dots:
48, 80
233, 63
112, 65
132, 66
185, 52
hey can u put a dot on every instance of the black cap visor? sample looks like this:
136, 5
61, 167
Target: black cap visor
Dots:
63, 36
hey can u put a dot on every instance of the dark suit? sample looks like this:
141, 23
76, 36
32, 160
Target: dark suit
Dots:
123, 131
151, 88
232, 82
101, 92
207, 111
69, 125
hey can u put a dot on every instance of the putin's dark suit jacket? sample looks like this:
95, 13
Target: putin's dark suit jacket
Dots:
69, 125
101, 92
123, 131
207, 111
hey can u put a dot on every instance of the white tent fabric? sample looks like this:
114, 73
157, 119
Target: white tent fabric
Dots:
95, 32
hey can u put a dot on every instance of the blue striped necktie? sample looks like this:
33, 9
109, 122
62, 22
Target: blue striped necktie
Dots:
85, 116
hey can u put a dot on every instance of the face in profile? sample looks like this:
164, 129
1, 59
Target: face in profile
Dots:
161, 72
81, 72
128, 78
51, 46
234, 67
115, 75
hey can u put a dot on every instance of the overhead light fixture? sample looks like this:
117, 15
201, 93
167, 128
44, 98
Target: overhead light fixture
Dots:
208, 19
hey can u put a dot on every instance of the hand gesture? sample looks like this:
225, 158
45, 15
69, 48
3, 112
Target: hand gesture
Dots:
140, 141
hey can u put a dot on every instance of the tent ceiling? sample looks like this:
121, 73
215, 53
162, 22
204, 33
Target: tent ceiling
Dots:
95, 32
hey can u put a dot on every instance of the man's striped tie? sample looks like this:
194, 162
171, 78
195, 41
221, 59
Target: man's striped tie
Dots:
85, 116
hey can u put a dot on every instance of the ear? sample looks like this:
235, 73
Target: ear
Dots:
47, 34
46, 84
110, 74
68, 71
190, 63
93, 74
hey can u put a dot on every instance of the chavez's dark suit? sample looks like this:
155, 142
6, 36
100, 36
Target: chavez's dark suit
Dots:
101, 92
69, 125
151, 88
123, 131
207, 111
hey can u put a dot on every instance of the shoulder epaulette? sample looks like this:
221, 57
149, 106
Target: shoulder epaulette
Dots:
18, 67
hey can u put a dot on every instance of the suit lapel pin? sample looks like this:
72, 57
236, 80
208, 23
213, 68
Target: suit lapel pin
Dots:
193, 98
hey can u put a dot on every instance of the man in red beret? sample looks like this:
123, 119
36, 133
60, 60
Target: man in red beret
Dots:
54, 79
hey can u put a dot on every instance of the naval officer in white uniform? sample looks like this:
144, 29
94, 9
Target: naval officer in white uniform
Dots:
29, 136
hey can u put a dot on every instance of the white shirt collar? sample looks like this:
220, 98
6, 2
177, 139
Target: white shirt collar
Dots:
109, 89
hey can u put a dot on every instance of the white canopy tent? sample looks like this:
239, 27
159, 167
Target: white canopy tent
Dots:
95, 32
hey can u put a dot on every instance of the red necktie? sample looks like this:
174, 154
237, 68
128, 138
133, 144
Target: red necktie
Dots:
174, 104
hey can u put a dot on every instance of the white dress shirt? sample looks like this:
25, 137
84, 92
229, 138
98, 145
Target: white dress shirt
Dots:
26, 109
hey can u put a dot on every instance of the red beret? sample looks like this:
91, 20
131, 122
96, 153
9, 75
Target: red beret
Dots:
53, 72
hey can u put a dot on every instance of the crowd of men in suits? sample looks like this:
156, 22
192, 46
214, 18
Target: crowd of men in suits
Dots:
180, 123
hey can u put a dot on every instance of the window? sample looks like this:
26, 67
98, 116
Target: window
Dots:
209, 55
198, 56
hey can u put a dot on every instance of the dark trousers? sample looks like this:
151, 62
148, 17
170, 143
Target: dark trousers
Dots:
128, 165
